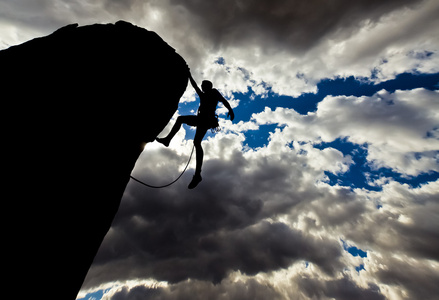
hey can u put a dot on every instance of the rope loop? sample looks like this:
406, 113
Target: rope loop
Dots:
169, 184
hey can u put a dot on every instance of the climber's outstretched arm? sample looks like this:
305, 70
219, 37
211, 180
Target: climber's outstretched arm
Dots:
226, 103
194, 84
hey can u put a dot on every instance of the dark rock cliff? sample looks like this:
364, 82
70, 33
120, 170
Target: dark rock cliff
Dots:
77, 106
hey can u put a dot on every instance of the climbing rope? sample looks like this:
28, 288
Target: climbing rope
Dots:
169, 184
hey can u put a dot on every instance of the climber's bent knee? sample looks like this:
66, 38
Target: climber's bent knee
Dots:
189, 120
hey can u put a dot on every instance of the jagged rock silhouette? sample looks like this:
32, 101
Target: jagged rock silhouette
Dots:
77, 107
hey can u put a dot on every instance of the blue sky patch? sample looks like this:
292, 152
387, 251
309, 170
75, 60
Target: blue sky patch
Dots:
259, 138
94, 296
331, 87
220, 61
354, 251
359, 268
356, 175
360, 173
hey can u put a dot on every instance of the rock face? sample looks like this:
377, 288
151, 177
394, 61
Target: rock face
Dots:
77, 107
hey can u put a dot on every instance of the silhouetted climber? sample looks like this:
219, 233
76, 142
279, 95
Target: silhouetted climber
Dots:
204, 120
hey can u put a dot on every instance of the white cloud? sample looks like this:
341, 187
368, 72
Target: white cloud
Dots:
394, 126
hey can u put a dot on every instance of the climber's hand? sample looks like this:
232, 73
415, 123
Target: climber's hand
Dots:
231, 114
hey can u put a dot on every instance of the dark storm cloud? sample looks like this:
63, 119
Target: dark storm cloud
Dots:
388, 233
287, 25
293, 24
119, 5
261, 211
28, 13
419, 281
173, 235
242, 290
340, 289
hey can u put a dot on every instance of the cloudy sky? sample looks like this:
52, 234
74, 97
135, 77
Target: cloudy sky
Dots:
326, 184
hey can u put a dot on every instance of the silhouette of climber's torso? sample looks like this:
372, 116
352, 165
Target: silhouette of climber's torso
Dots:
208, 103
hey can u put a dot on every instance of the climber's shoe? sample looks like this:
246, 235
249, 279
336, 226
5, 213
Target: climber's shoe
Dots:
163, 141
195, 181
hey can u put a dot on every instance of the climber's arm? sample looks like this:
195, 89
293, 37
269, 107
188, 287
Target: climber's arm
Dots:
194, 84
226, 103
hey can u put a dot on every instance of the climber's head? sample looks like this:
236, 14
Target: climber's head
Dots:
206, 85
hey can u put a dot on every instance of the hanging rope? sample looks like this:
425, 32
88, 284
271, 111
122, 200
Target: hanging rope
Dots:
166, 185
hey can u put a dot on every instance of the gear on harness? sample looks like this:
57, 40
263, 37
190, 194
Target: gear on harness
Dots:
217, 128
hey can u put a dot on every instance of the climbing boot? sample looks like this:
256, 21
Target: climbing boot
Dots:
163, 141
195, 181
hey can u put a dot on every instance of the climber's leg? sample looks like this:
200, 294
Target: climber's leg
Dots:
199, 135
190, 120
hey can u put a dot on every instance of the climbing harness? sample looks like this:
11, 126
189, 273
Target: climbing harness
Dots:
169, 184
217, 127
